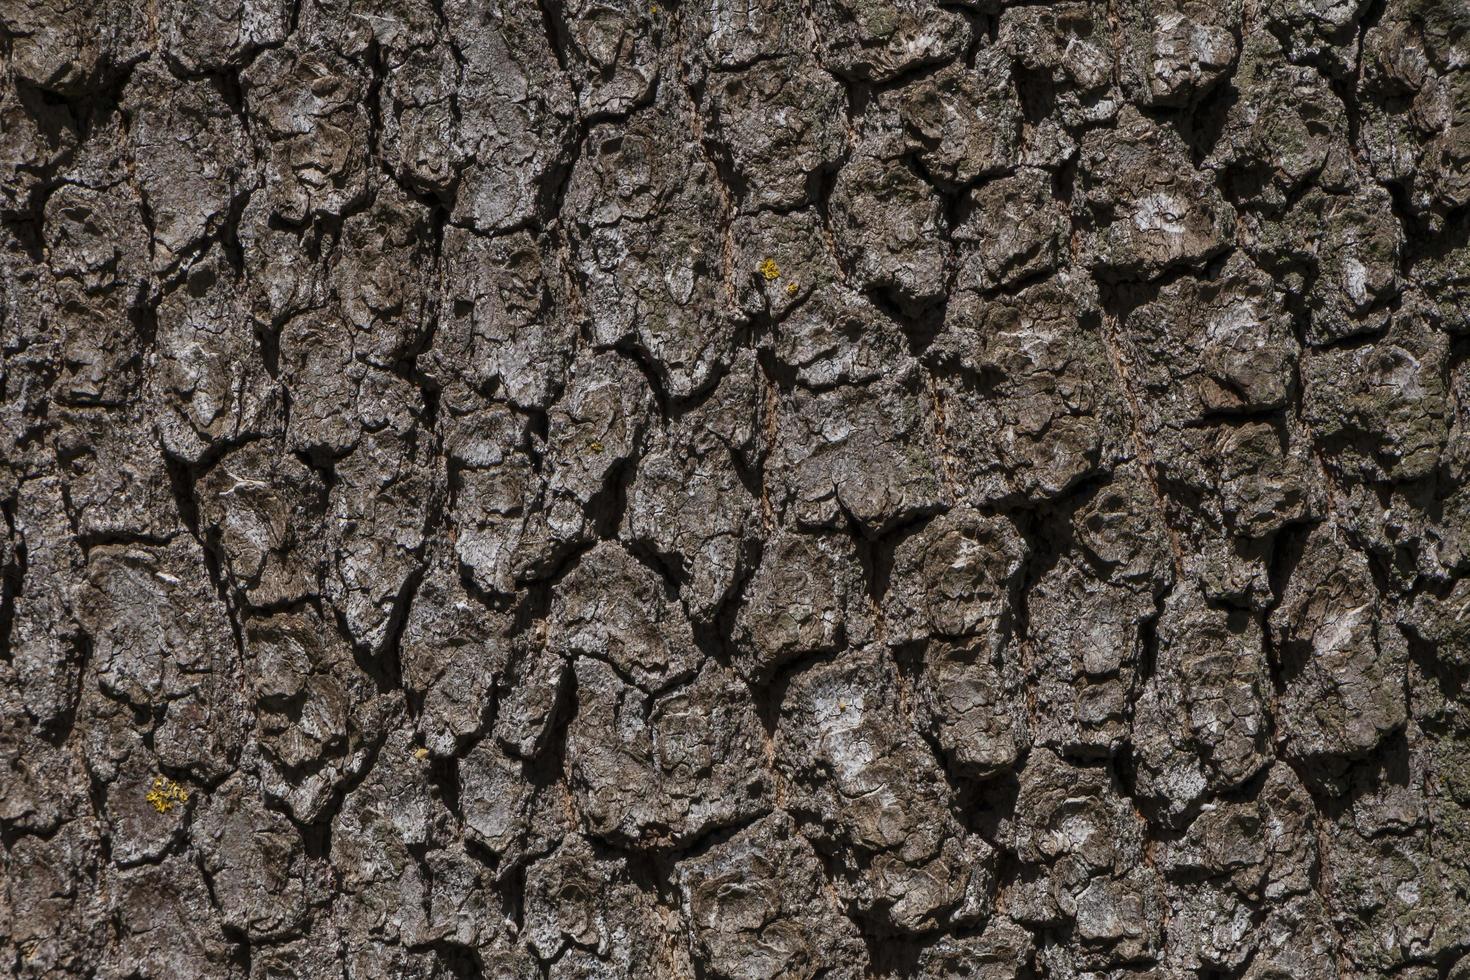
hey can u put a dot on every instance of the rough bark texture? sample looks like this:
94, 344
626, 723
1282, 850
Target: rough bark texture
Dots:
735, 489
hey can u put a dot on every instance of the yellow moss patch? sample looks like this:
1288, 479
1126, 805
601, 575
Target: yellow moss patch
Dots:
770, 270
166, 794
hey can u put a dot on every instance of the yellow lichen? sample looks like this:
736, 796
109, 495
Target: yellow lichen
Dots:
791, 288
595, 446
166, 794
769, 269
421, 753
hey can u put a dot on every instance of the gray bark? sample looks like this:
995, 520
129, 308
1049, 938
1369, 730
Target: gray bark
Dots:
826, 489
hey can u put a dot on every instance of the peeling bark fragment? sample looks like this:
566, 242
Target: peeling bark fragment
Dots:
890, 230
526, 716
1213, 348
1446, 280
850, 756
1219, 659
861, 39
1147, 209
1177, 51
613, 52
1388, 905
587, 917
864, 451
650, 772
45, 787
645, 218
1348, 269
1032, 368
796, 602
758, 906
1341, 658
254, 860
319, 716
115, 488
972, 698
378, 282
380, 505
307, 115
777, 126
508, 119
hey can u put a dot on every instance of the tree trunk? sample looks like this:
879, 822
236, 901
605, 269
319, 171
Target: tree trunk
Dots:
751, 490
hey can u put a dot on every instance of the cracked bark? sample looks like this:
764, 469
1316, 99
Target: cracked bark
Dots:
821, 489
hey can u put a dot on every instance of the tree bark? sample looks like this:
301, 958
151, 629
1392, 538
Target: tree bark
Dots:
824, 489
